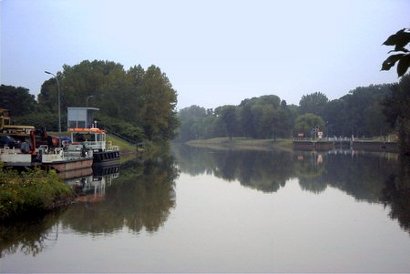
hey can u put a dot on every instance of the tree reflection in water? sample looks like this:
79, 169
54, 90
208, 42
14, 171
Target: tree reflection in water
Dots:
142, 197
29, 236
360, 175
396, 194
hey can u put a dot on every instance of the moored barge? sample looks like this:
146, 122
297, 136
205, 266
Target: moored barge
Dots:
95, 139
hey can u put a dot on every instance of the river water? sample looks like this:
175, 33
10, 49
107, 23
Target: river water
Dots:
203, 210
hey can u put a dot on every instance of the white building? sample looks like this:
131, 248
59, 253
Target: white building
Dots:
80, 117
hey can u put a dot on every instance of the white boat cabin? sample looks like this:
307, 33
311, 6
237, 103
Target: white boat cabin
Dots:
92, 138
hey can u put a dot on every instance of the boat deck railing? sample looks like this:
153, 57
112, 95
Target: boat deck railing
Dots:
111, 147
7, 150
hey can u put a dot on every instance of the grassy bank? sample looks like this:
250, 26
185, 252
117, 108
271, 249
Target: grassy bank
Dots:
33, 191
243, 143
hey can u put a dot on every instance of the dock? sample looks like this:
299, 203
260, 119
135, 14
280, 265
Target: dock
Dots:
326, 144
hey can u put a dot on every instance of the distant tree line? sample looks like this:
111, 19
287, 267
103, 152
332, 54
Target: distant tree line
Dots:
376, 110
136, 103
140, 104
261, 117
359, 113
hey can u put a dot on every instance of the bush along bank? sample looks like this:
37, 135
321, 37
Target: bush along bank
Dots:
31, 192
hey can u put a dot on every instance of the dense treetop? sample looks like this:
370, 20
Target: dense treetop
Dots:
137, 103
359, 113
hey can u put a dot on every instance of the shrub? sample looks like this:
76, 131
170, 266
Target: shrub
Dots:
31, 192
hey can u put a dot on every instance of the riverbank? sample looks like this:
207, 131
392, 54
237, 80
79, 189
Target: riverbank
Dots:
242, 143
36, 191
289, 145
32, 191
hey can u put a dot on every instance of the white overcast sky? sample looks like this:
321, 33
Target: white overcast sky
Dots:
215, 52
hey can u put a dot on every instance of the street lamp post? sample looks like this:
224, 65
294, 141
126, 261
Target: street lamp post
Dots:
59, 100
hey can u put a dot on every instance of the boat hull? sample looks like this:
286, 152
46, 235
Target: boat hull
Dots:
106, 156
16, 160
64, 166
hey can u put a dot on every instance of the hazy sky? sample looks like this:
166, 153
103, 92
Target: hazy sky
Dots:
214, 52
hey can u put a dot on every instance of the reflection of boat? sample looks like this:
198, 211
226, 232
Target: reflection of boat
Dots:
319, 145
70, 174
96, 140
91, 188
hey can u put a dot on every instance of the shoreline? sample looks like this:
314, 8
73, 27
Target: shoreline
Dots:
241, 143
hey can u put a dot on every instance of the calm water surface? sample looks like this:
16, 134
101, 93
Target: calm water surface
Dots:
201, 210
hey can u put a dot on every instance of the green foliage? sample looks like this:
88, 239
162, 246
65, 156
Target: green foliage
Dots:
307, 122
136, 103
229, 118
39, 119
17, 100
195, 122
358, 113
126, 130
402, 55
158, 105
397, 105
396, 109
259, 117
31, 191
313, 103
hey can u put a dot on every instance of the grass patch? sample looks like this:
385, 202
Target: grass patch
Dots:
242, 143
124, 146
31, 192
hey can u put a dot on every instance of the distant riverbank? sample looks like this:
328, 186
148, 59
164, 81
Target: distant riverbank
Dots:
242, 143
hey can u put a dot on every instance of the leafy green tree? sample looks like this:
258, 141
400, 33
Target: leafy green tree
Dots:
135, 76
358, 113
260, 116
17, 100
285, 121
396, 109
401, 56
229, 118
335, 115
192, 123
39, 119
264, 118
313, 103
160, 99
246, 118
142, 102
308, 122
